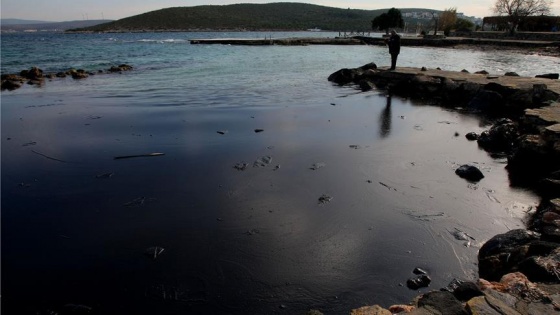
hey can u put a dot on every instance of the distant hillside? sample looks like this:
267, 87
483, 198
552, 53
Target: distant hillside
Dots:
19, 21
249, 17
49, 26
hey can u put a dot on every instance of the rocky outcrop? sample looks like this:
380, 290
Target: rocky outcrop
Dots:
511, 294
35, 76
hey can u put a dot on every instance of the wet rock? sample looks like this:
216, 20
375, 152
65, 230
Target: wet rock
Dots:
469, 172
501, 137
502, 253
552, 76
472, 136
313, 312
442, 301
482, 72
366, 85
511, 74
418, 282
345, 76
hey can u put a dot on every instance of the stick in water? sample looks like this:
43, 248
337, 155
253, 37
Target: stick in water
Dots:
139, 155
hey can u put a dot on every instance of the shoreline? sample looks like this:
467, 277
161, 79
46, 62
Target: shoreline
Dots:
518, 271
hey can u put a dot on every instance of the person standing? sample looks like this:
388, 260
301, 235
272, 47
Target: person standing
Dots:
394, 43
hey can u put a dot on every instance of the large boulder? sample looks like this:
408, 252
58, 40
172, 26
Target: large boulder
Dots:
503, 253
345, 76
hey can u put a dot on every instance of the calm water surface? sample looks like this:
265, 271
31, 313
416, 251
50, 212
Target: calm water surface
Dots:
253, 241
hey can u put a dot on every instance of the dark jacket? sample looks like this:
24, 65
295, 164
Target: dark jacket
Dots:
394, 43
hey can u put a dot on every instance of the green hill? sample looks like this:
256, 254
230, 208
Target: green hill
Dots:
246, 17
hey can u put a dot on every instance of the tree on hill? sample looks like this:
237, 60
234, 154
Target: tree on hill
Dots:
518, 10
393, 18
447, 20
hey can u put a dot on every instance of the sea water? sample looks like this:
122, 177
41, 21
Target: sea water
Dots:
357, 189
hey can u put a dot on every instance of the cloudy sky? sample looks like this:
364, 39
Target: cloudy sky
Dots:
68, 10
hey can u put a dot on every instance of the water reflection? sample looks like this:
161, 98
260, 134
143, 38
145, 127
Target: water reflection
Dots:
385, 119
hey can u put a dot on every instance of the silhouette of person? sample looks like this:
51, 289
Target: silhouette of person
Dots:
394, 43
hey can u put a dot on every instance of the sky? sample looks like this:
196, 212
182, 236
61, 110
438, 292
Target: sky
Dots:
69, 10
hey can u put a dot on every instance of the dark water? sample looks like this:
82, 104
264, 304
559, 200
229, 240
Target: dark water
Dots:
76, 223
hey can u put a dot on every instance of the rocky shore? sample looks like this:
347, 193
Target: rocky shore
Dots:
519, 271
36, 76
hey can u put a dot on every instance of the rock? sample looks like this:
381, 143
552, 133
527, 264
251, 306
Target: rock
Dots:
469, 172
465, 71
511, 74
552, 76
32, 74
123, 67
313, 312
542, 269
500, 137
418, 282
502, 253
344, 76
472, 136
486, 100
370, 310
400, 308
442, 301
466, 291
10, 85
478, 305
482, 72
366, 85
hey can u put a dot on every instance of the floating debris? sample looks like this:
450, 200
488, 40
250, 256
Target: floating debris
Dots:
140, 201
222, 132
154, 251
252, 232
425, 217
325, 199
48, 157
259, 130
419, 271
355, 146
277, 167
105, 175
389, 187
241, 166
263, 161
29, 143
317, 166
139, 155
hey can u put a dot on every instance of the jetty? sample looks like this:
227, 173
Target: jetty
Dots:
367, 40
